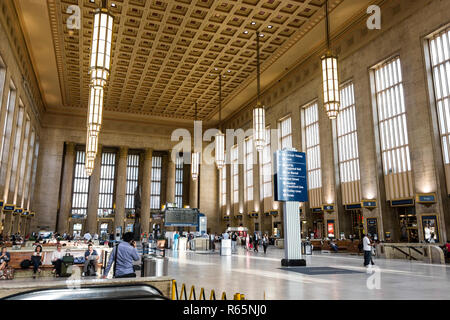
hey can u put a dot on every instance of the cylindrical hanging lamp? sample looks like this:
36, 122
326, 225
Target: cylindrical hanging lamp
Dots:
259, 113
220, 137
331, 98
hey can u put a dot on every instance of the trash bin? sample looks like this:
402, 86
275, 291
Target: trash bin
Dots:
225, 247
153, 266
307, 248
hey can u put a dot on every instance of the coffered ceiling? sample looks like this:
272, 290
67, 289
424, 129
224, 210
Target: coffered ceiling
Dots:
168, 54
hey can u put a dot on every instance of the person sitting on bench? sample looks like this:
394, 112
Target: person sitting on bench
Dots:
4, 258
36, 260
91, 258
334, 246
57, 259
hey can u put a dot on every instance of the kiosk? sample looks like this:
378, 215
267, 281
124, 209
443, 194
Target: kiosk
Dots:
291, 189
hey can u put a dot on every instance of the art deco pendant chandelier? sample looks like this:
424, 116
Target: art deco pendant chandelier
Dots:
220, 137
99, 73
331, 99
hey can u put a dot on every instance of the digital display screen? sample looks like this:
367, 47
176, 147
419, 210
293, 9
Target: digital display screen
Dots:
180, 217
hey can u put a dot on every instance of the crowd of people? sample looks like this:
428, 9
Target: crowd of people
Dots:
249, 242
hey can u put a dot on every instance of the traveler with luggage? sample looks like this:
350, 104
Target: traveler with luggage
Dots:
90, 260
123, 256
36, 260
57, 259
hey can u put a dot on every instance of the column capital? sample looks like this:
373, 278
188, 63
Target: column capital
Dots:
123, 152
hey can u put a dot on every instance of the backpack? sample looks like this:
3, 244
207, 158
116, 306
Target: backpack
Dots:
25, 264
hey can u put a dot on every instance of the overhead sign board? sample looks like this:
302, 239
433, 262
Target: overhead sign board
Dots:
9, 207
181, 217
290, 176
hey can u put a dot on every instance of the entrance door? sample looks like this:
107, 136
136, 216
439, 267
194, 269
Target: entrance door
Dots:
318, 226
357, 223
104, 231
409, 231
77, 227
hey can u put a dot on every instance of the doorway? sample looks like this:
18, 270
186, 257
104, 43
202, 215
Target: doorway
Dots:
409, 231
357, 223
77, 227
104, 228
318, 226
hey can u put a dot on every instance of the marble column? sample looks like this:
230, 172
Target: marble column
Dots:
66, 189
121, 188
170, 191
94, 188
146, 191
7, 223
15, 224
193, 192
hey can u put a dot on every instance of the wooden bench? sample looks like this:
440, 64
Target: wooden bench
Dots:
343, 245
18, 256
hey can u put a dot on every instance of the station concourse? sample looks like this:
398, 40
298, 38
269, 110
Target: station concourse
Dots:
170, 123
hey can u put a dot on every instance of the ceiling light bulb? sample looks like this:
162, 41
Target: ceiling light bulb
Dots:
253, 23
269, 26
245, 31
229, 71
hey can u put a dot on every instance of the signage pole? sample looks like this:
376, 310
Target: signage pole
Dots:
292, 235
290, 185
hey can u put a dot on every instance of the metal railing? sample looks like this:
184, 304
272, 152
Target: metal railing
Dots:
202, 296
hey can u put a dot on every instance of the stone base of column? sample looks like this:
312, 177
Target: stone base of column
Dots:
293, 262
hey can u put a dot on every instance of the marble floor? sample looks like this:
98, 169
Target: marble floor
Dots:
330, 276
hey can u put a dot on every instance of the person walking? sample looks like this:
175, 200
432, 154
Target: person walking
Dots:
367, 247
176, 236
255, 242
265, 242
123, 256
212, 237
233, 242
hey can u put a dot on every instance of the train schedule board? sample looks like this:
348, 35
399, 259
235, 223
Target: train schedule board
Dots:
290, 178
180, 217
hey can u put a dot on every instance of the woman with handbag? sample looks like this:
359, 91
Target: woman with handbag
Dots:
36, 260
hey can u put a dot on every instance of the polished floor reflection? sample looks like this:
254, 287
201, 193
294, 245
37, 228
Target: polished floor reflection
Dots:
257, 276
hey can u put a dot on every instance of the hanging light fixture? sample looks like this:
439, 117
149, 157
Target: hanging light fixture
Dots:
91, 151
331, 99
195, 155
220, 137
99, 71
101, 45
259, 114
95, 110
